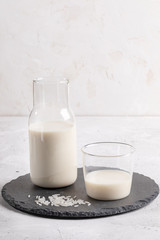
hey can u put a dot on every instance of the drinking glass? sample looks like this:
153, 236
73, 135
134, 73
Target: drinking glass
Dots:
108, 169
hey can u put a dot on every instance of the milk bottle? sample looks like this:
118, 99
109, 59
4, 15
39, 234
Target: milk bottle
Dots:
52, 135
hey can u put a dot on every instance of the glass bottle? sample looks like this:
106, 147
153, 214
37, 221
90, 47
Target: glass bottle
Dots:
52, 135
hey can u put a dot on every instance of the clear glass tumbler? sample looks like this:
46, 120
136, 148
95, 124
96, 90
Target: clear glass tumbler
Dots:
108, 168
52, 135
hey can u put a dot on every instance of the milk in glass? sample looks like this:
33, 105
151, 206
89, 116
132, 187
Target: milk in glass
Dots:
108, 184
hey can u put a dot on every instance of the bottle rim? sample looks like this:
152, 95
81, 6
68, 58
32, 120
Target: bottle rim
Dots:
49, 80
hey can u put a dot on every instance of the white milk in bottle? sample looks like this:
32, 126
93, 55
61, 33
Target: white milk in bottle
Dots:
53, 154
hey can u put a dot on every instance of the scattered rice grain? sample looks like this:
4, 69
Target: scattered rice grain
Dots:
57, 201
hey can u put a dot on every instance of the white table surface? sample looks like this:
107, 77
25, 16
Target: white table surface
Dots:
142, 132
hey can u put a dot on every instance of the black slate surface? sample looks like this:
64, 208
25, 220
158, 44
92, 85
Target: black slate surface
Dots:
16, 192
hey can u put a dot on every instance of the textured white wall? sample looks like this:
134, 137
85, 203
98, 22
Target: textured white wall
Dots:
110, 50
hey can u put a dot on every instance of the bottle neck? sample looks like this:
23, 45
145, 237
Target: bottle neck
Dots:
50, 94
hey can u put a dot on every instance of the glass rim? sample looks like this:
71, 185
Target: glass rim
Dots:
108, 156
49, 80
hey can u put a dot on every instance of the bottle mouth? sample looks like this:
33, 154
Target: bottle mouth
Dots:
50, 80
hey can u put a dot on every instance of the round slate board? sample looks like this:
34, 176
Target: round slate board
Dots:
16, 192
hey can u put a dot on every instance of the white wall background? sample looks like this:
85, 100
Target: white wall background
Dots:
110, 50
